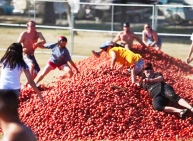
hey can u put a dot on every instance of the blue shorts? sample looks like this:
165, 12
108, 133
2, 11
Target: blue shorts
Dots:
30, 59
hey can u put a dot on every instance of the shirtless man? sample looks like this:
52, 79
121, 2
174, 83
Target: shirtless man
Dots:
126, 38
13, 128
30, 40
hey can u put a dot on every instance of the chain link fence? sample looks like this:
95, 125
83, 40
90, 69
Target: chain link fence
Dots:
97, 22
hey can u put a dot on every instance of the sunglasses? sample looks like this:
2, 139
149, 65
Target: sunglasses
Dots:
147, 27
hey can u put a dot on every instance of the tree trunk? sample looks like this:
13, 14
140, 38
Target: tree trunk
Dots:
49, 16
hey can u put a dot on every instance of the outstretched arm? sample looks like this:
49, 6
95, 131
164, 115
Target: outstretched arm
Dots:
40, 42
139, 40
74, 66
117, 38
32, 83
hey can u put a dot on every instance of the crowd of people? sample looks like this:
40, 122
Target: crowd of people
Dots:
19, 57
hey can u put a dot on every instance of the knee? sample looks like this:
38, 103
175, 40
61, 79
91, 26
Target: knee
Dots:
158, 107
173, 97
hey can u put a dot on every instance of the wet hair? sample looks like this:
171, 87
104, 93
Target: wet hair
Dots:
13, 56
8, 102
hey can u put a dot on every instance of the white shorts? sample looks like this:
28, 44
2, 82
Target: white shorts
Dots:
139, 66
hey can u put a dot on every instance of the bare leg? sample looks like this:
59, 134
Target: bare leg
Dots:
31, 70
169, 109
185, 104
46, 70
182, 112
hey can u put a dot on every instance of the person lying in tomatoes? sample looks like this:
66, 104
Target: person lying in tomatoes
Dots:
161, 92
124, 57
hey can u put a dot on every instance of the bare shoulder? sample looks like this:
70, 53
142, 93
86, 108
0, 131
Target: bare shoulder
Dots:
23, 33
154, 32
143, 31
19, 132
133, 34
120, 33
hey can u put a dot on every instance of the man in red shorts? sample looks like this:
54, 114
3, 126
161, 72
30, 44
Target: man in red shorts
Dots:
59, 59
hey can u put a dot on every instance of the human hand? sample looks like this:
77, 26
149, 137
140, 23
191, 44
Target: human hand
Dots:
96, 54
34, 46
136, 84
147, 80
188, 60
24, 50
41, 98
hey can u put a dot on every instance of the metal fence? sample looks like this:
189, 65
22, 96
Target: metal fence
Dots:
104, 19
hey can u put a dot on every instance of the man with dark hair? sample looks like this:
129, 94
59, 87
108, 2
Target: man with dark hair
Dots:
13, 128
126, 37
161, 92
125, 58
59, 59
